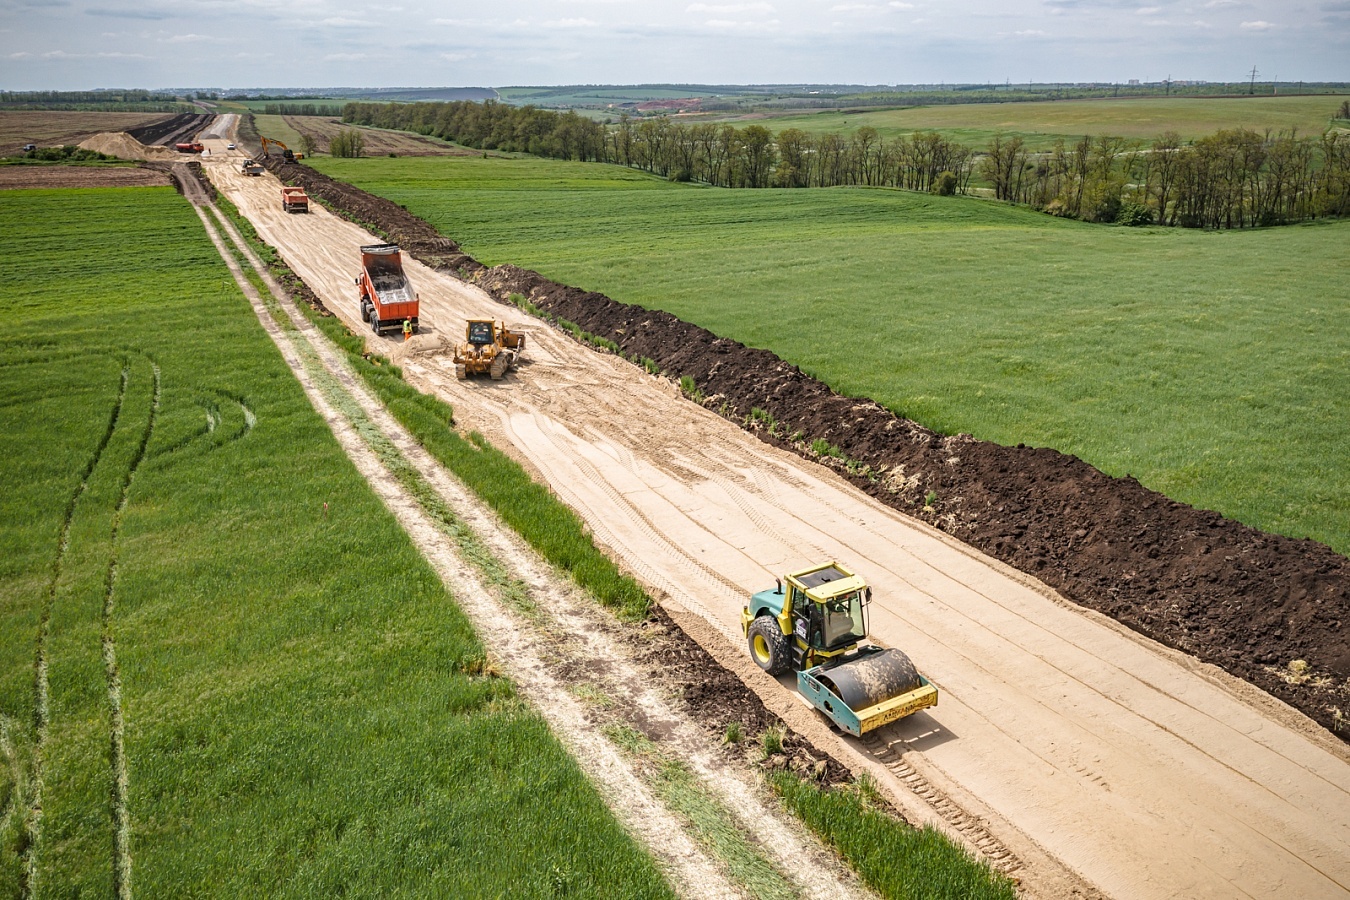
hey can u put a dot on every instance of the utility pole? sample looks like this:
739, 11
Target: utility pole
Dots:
1252, 89
1168, 82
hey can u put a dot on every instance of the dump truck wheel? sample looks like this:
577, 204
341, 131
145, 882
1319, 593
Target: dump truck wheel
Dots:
374, 321
768, 645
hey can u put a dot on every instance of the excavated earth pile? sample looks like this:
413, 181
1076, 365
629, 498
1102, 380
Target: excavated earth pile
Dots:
184, 127
1249, 602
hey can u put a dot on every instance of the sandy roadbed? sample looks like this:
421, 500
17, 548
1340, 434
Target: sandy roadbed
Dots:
1064, 737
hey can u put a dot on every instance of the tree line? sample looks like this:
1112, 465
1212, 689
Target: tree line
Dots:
1234, 178
1231, 179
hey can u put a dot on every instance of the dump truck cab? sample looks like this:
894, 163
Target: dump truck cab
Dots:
814, 621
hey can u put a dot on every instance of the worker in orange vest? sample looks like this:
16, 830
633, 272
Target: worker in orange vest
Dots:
407, 328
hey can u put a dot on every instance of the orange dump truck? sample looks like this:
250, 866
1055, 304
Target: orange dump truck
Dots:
294, 199
387, 298
189, 147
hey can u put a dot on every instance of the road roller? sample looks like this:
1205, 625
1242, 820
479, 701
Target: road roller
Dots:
814, 622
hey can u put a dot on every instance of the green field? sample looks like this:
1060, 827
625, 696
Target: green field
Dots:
1213, 367
275, 128
1039, 124
213, 587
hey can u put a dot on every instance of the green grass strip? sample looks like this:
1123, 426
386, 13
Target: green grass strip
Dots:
711, 823
895, 860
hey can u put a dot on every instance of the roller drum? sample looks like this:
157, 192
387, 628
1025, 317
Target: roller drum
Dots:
871, 680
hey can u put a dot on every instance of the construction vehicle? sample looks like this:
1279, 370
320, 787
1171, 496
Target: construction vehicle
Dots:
251, 167
814, 622
387, 298
189, 147
294, 199
488, 347
286, 153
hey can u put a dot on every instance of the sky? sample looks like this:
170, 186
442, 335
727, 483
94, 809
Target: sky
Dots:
241, 44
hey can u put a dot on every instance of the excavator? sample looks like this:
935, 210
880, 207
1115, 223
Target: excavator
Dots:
286, 153
814, 622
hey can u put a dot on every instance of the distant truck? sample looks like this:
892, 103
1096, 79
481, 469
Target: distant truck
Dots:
189, 147
251, 167
294, 199
387, 298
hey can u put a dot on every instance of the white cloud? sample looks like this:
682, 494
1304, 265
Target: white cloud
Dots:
340, 22
1030, 32
735, 25
855, 7
729, 9
1148, 10
1256, 26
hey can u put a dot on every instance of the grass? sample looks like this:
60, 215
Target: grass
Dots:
872, 842
1210, 366
275, 128
306, 710
1040, 123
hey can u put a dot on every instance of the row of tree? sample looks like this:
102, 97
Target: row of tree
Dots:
1231, 179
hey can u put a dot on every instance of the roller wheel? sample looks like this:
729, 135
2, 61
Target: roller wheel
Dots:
768, 645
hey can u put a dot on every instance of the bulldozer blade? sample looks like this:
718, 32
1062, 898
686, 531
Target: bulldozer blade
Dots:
868, 692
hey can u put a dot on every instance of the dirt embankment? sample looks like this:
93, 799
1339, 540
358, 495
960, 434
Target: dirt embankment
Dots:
1249, 602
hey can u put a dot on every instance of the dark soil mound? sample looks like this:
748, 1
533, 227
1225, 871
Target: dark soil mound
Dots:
182, 127
1247, 601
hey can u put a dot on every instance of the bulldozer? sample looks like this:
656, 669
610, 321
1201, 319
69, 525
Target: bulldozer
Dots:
814, 622
488, 347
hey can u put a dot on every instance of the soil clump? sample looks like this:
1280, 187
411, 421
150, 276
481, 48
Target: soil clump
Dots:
1269, 609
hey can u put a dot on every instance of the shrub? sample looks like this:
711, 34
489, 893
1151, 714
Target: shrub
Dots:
1134, 214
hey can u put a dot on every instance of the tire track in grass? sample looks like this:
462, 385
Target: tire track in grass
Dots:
117, 760
41, 687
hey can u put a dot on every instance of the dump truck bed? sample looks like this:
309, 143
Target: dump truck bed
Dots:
392, 298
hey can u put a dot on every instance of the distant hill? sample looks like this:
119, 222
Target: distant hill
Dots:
447, 93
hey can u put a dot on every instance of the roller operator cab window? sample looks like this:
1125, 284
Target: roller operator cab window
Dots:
842, 620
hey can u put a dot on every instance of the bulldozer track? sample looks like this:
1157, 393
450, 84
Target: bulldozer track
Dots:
990, 847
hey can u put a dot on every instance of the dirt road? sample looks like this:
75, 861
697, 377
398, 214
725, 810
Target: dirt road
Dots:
1067, 738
